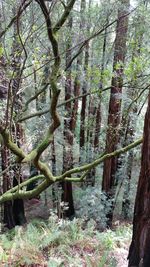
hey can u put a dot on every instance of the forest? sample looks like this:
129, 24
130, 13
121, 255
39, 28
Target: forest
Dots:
74, 133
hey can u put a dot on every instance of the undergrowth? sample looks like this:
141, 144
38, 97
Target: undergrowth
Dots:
57, 243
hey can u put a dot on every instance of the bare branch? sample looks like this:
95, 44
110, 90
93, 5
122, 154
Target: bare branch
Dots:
21, 10
64, 16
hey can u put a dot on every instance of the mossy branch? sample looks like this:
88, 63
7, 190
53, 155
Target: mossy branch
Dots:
7, 140
64, 16
13, 193
25, 183
21, 194
36, 153
98, 161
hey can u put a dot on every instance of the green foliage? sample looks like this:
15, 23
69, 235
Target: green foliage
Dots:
93, 205
59, 243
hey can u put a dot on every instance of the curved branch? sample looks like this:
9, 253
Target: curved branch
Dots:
35, 154
12, 194
10, 144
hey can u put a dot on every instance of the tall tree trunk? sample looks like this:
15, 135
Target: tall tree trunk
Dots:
90, 178
127, 137
140, 246
83, 107
98, 109
83, 113
114, 115
17, 131
7, 215
7, 184
7, 211
54, 186
70, 123
67, 195
129, 118
77, 81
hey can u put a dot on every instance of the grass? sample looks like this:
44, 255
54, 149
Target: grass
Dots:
57, 243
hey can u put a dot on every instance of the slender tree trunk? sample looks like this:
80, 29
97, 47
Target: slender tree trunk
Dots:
7, 207
7, 184
70, 123
54, 186
127, 188
90, 178
97, 127
98, 109
127, 137
67, 195
130, 115
140, 246
7, 216
7, 210
17, 131
77, 82
114, 115
83, 108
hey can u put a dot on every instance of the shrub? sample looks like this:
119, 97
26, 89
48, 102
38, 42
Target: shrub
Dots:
93, 204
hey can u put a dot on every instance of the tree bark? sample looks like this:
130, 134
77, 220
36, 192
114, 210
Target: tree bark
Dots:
83, 107
77, 81
114, 116
8, 205
67, 194
17, 131
130, 111
90, 178
140, 246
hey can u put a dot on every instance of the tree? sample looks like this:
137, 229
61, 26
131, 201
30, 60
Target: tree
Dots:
67, 195
140, 245
130, 111
17, 131
114, 115
53, 16
34, 156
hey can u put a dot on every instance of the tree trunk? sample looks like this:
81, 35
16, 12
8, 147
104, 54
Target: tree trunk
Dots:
127, 187
114, 115
8, 205
17, 131
90, 178
140, 246
98, 109
77, 82
127, 137
55, 188
83, 107
129, 118
67, 196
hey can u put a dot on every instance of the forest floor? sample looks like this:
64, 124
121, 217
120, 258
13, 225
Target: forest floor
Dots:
51, 242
